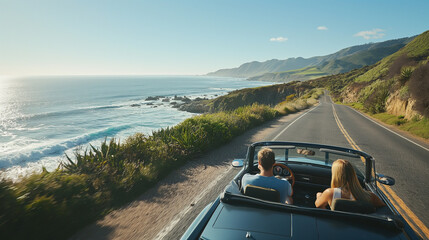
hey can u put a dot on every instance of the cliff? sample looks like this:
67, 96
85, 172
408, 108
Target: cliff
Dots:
267, 95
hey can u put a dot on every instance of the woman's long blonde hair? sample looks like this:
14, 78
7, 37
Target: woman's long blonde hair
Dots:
344, 176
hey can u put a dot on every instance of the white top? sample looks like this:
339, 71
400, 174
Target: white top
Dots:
337, 194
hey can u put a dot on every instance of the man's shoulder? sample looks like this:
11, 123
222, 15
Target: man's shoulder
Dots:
250, 177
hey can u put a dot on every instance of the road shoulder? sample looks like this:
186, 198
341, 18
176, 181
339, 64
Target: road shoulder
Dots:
145, 217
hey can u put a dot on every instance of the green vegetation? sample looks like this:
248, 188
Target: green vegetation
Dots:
403, 75
53, 205
417, 50
416, 126
336, 84
292, 104
390, 119
266, 95
293, 69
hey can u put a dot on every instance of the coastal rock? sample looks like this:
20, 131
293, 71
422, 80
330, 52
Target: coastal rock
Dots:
200, 99
176, 98
166, 100
195, 107
135, 105
150, 98
186, 99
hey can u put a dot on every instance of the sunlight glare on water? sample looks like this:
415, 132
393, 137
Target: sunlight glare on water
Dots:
43, 118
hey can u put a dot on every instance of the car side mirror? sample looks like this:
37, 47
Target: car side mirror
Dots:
237, 163
386, 180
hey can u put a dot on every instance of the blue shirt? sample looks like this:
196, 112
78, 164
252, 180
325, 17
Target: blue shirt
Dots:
280, 185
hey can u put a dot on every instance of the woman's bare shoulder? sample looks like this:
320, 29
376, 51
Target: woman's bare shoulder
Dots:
329, 191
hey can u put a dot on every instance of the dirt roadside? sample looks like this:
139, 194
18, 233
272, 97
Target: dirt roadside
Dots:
150, 213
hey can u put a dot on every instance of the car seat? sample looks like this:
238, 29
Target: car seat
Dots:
267, 194
348, 205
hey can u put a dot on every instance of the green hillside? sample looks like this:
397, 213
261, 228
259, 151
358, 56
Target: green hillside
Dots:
395, 89
338, 62
267, 95
291, 75
416, 50
358, 60
355, 60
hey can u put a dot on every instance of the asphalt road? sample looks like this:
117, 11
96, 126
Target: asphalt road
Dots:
395, 156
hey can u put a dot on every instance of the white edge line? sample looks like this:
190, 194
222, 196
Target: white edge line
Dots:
278, 135
167, 229
411, 141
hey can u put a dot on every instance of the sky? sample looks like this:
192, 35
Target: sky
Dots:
189, 37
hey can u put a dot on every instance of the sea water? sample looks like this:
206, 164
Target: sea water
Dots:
44, 118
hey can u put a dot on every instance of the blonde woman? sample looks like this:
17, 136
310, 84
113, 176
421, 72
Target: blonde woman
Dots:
345, 184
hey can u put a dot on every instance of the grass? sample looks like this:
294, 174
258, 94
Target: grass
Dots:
418, 48
390, 119
293, 104
356, 105
416, 126
53, 205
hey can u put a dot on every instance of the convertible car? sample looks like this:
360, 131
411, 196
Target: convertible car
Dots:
256, 213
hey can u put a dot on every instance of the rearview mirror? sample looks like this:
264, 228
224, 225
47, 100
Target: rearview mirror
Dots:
386, 180
237, 163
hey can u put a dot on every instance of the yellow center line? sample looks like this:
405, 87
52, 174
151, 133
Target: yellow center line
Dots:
398, 203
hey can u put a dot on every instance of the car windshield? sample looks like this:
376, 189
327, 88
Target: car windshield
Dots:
312, 154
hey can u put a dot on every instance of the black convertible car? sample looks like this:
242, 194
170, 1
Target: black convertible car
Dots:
257, 215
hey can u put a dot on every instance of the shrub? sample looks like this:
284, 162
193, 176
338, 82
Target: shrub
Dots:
99, 179
399, 65
405, 74
290, 97
375, 95
404, 93
419, 88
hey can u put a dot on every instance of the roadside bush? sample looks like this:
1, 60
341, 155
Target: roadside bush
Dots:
53, 205
419, 88
406, 73
375, 95
399, 65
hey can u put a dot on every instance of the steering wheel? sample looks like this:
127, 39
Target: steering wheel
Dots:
291, 177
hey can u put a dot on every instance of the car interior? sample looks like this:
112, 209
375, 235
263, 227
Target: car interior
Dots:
309, 174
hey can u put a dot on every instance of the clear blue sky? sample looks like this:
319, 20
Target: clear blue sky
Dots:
107, 37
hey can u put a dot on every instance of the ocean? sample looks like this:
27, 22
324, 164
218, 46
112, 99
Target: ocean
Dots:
44, 118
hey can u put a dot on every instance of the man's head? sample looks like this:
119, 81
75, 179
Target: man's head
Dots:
266, 158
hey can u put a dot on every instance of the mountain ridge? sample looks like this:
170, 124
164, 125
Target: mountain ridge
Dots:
264, 70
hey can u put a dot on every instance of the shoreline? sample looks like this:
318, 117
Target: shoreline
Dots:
26, 168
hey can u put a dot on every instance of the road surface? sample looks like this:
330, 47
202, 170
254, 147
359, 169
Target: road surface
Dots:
168, 209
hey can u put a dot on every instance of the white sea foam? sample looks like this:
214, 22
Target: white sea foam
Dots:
42, 119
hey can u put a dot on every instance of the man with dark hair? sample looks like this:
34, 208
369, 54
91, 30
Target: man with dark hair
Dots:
266, 177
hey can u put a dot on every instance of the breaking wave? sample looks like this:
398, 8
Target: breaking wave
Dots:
58, 149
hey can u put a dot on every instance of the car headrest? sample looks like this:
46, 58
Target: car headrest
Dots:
267, 194
348, 205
